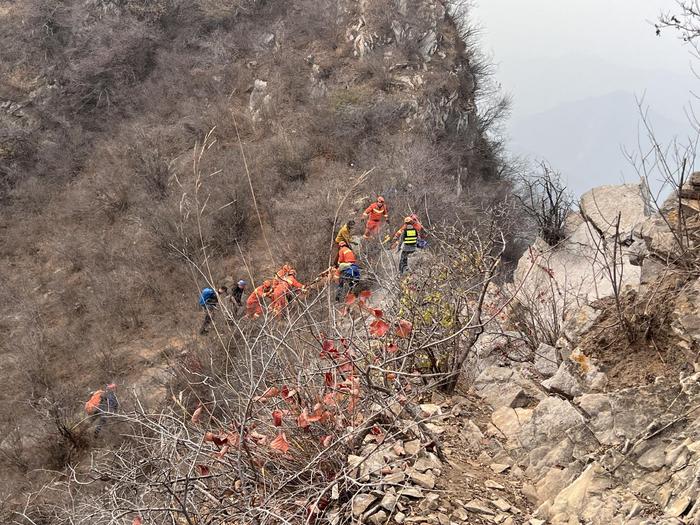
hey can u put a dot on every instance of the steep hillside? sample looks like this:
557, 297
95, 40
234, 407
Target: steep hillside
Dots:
105, 200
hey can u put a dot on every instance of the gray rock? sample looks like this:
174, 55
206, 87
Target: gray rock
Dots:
566, 381
389, 501
431, 502
399, 517
425, 480
360, 503
550, 419
490, 484
411, 492
378, 518
602, 206
459, 514
412, 447
501, 504
546, 360
479, 507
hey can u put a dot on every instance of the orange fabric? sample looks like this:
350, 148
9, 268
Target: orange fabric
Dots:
346, 256
94, 402
279, 297
372, 228
375, 213
254, 303
292, 281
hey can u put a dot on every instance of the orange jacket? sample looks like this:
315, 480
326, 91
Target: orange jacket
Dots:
346, 255
375, 214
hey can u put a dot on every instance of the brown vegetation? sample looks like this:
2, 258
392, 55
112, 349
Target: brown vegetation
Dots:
101, 103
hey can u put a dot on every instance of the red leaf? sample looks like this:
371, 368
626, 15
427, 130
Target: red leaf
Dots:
221, 453
350, 299
326, 440
197, 415
287, 394
404, 329
329, 379
137, 521
376, 430
392, 348
259, 438
365, 294
277, 418
303, 419
378, 328
202, 470
346, 367
269, 393
280, 443
329, 399
376, 312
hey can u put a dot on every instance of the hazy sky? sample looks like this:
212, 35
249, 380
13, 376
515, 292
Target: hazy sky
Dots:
574, 69
619, 30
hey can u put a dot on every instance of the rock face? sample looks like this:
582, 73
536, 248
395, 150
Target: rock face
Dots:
556, 281
590, 449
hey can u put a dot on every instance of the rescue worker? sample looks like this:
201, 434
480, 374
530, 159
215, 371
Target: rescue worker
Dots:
374, 214
416, 224
254, 303
344, 235
284, 286
102, 404
349, 271
408, 243
209, 300
237, 294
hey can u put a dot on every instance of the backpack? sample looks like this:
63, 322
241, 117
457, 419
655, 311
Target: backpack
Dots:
94, 402
206, 297
352, 273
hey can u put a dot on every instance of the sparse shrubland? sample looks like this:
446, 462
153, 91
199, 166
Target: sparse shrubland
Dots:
104, 218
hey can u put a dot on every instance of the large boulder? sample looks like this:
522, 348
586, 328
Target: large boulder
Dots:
553, 281
603, 205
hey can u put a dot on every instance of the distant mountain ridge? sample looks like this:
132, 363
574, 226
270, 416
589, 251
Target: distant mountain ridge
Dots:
584, 139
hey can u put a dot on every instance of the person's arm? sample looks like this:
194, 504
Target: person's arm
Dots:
366, 213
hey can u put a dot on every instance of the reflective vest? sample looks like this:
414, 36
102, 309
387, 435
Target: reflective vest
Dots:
410, 236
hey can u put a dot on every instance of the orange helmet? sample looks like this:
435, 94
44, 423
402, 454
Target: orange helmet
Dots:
380, 199
343, 244
408, 220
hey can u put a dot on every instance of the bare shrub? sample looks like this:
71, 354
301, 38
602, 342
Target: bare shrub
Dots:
547, 202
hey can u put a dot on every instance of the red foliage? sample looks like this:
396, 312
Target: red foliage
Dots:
197, 415
268, 394
277, 418
378, 328
392, 348
404, 328
202, 470
329, 378
350, 299
137, 521
365, 295
280, 443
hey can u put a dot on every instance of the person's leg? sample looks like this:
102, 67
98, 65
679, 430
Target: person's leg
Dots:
206, 322
403, 263
340, 293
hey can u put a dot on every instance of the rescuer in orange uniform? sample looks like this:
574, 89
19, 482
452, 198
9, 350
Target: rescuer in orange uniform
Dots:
415, 223
349, 270
374, 214
254, 303
285, 283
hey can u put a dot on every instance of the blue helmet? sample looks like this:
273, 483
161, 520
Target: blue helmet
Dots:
242, 283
